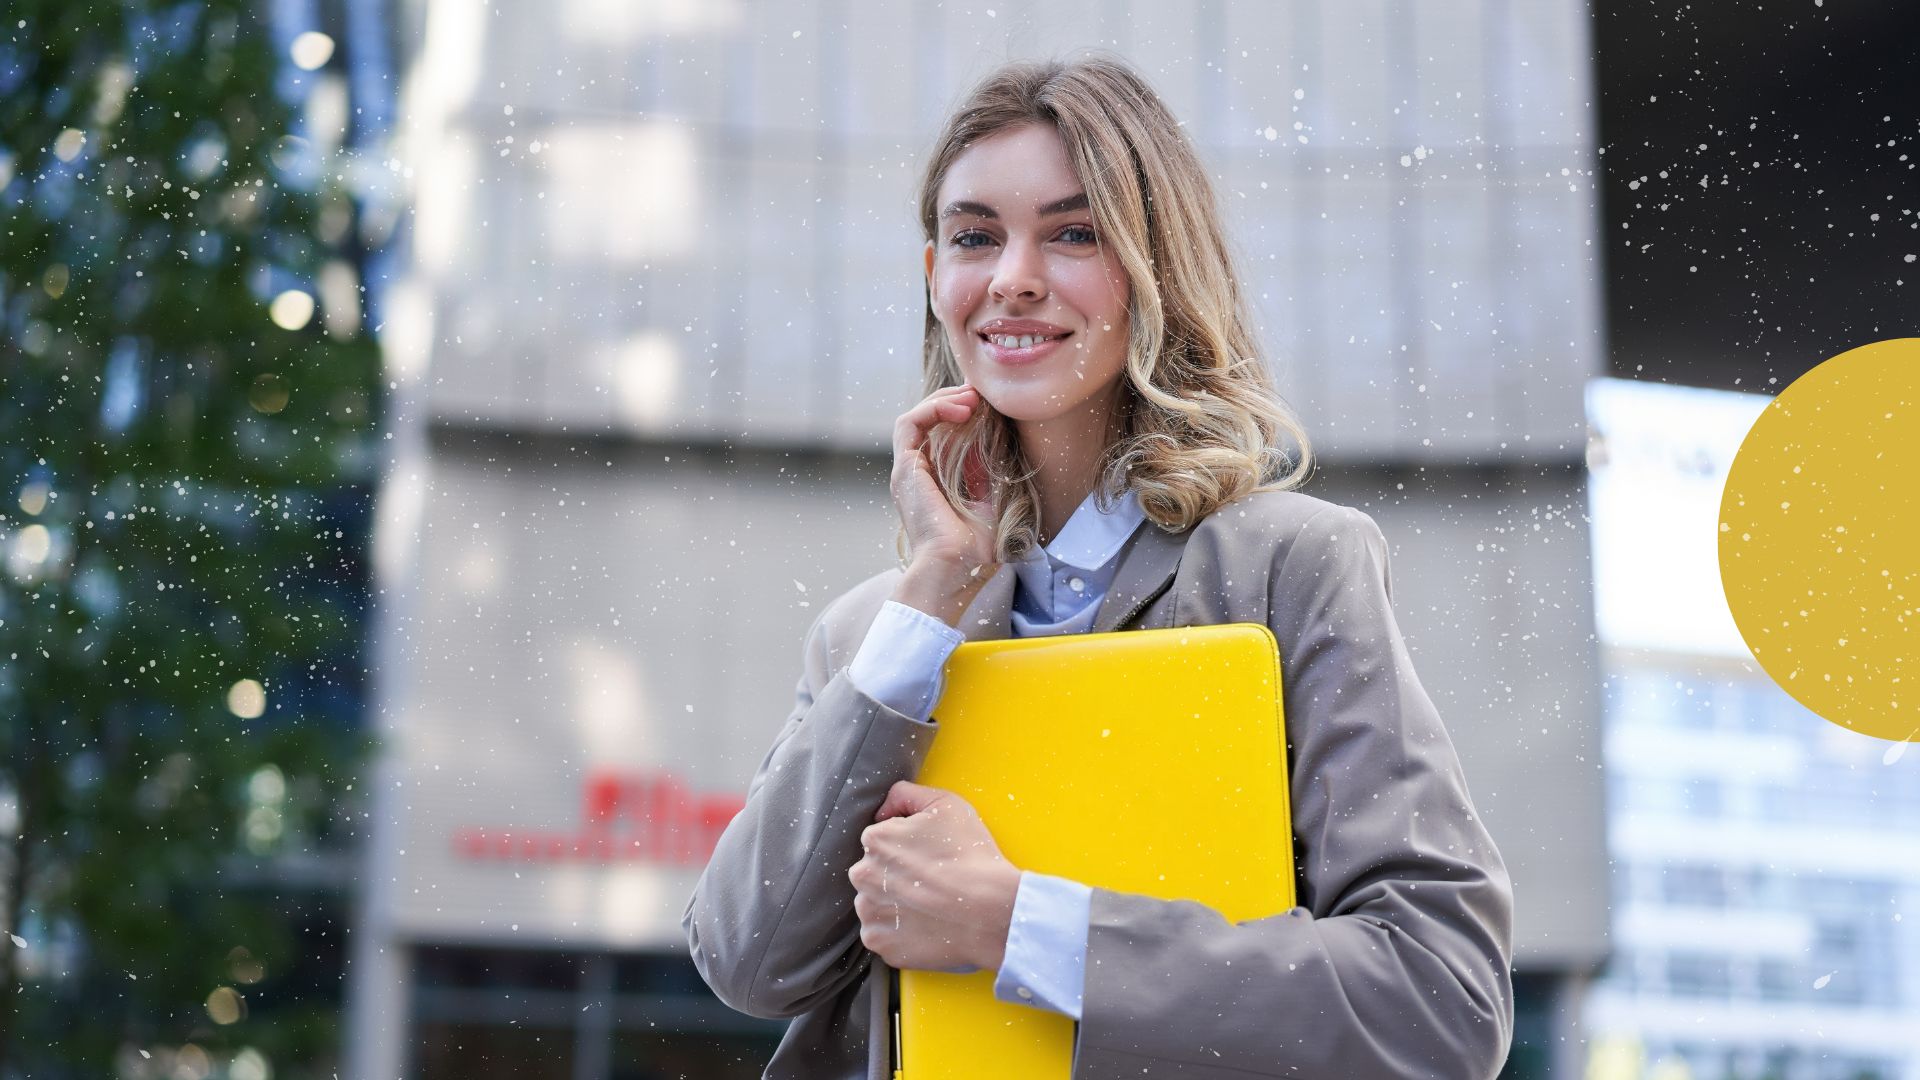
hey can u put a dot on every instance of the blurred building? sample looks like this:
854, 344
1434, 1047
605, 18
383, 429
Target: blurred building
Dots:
1763, 859
662, 305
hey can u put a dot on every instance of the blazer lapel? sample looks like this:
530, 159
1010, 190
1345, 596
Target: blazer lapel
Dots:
1147, 564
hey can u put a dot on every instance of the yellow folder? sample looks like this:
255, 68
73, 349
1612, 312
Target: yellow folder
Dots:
1145, 761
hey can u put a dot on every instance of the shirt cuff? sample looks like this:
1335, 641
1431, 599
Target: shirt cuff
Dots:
903, 659
1046, 957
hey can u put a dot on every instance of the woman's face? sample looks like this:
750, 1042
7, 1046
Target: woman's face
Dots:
1014, 256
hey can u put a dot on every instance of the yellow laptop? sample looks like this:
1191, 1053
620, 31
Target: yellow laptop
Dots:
1144, 761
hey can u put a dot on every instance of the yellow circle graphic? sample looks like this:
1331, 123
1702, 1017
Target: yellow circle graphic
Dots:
1819, 533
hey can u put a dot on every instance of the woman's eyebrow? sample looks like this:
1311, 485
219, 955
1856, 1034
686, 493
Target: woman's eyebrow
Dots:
974, 209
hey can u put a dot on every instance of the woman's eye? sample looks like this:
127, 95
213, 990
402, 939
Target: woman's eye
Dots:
1072, 234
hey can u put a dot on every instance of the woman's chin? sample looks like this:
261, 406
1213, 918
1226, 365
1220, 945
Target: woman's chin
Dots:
1010, 402
1028, 401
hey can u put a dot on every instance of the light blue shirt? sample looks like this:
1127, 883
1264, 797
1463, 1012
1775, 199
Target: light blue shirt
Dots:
901, 663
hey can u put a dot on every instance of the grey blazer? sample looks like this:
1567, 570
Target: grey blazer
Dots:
1395, 962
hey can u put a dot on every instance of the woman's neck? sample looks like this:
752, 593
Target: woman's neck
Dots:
1067, 451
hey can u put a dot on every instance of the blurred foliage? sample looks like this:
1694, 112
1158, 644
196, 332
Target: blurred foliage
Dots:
183, 495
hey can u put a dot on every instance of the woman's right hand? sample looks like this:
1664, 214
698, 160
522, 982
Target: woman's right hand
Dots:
942, 542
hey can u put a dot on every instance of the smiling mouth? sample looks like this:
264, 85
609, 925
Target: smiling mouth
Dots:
1022, 341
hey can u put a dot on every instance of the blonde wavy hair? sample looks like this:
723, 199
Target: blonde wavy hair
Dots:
1202, 421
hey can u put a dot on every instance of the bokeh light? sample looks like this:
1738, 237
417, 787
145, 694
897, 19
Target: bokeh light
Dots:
68, 144
32, 544
291, 310
264, 826
247, 699
225, 1006
269, 393
245, 967
268, 785
311, 50
249, 1064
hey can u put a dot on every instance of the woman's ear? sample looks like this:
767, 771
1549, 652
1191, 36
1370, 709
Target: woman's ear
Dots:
929, 269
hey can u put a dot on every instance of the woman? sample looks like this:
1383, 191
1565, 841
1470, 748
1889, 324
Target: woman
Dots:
1097, 407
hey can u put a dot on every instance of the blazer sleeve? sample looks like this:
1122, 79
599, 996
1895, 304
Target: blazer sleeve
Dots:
1396, 961
770, 924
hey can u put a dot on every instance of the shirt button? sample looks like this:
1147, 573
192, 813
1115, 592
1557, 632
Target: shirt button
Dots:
1024, 992
1076, 584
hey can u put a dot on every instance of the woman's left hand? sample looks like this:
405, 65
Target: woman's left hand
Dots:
933, 891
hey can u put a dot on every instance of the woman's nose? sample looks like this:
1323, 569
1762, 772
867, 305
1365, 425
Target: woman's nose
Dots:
1019, 273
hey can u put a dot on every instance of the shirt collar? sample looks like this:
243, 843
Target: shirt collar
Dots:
1090, 537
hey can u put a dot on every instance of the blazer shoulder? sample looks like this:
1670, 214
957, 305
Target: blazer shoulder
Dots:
1281, 517
1290, 540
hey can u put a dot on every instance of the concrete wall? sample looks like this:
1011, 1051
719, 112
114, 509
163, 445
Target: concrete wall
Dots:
665, 303
700, 226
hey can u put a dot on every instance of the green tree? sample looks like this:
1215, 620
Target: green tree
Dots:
186, 449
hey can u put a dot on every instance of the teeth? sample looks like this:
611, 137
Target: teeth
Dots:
1025, 341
